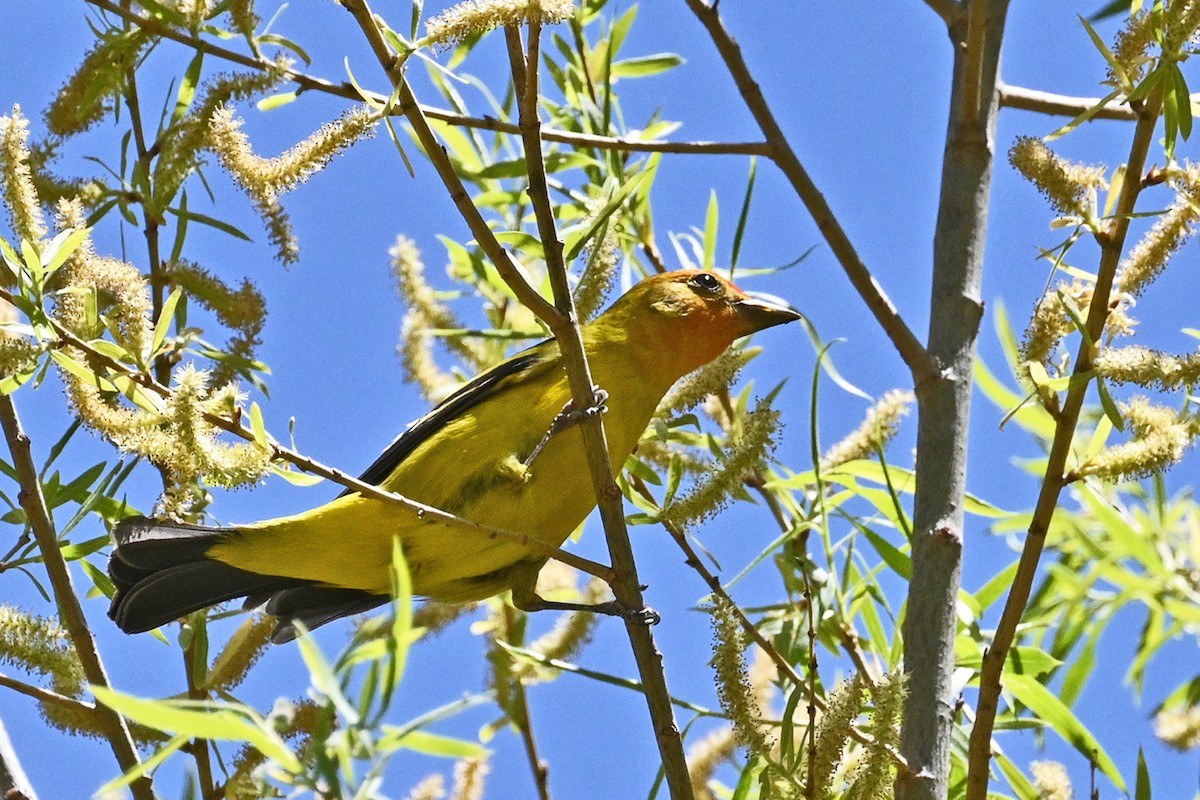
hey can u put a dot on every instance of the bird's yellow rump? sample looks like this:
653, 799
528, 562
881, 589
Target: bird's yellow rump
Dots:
495, 452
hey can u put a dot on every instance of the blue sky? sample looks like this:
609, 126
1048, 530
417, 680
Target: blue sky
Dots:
862, 93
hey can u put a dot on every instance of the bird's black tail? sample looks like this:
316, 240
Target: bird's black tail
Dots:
161, 573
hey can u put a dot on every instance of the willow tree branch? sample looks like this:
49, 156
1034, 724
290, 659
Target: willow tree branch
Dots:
626, 585
33, 501
1060, 105
47, 696
944, 405
308, 82
1112, 243
919, 362
948, 10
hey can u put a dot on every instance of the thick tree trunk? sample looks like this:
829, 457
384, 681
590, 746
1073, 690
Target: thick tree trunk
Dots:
945, 402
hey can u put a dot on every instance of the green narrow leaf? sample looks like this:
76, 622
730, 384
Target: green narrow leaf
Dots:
644, 66
1042, 702
1183, 102
297, 478
1111, 412
1141, 790
431, 744
743, 216
187, 87
1117, 69
165, 318
211, 222
65, 245
1085, 116
322, 676
80, 371
1016, 779
142, 767
710, 232
257, 426
277, 100
399, 147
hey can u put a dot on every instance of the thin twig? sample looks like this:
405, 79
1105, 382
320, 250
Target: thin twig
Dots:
911, 350
524, 723
116, 731
948, 10
47, 696
1060, 105
1112, 242
308, 82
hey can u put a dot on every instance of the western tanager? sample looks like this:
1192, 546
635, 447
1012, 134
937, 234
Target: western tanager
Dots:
495, 452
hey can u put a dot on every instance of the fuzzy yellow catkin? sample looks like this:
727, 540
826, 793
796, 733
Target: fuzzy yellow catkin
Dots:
842, 708
737, 697
706, 755
1179, 727
1065, 184
879, 426
603, 257
16, 180
1050, 322
1051, 780
242, 309
469, 775
17, 355
832, 735
749, 452
1150, 256
41, 645
96, 85
872, 777
244, 648
426, 312
1159, 438
1182, 23
181, 151
432, 787
1131, 49
300, 162
693, 388
1148, 368
264, 179
475, 17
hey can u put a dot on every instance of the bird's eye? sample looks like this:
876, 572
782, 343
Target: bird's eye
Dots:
706, 282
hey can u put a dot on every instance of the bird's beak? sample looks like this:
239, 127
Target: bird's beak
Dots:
758, 313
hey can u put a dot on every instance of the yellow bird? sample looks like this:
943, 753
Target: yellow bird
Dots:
499, 451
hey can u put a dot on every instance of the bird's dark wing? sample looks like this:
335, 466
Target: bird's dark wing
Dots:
484, 385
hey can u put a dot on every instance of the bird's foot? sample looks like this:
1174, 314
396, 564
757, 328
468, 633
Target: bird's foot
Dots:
612, 608
569, 417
